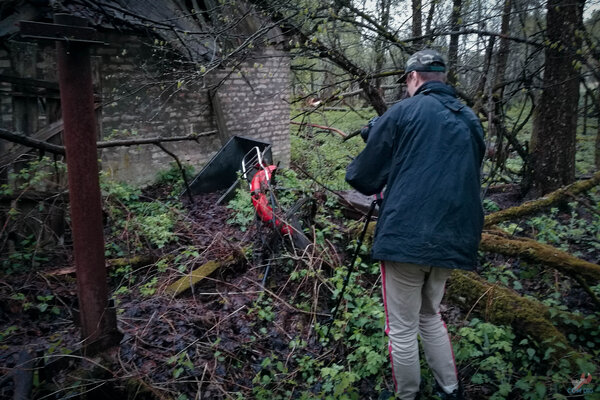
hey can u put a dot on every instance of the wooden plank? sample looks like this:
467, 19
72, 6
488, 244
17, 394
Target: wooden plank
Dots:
12, 153
15, 80
15, 151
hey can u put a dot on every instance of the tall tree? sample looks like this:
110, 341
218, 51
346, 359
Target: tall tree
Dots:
453, 48
555, 120
498, 86
417, 21
432, 11
383, 8
597, 152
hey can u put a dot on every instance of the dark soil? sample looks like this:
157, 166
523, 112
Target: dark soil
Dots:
208, 342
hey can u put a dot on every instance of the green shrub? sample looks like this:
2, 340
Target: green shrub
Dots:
139, 222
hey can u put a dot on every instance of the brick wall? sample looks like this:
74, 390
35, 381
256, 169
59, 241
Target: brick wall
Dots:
141, 97
252, 97
255, 100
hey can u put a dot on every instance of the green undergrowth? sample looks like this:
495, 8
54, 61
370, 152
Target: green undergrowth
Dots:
495, 362
524, 370
137, 222
140, 224
505, 365
349, 359
25, 240
323, 154
346, 354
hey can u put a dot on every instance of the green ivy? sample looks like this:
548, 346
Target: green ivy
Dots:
242, 210
140, 222
516, 367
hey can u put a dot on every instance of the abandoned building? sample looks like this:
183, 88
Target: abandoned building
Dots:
167, 68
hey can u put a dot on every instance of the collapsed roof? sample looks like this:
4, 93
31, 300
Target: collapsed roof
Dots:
198, 29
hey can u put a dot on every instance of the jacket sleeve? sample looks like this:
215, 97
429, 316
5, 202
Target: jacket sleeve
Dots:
368, 172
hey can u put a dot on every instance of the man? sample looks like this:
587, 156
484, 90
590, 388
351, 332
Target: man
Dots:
427, 151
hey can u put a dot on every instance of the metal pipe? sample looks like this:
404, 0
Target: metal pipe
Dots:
77, 103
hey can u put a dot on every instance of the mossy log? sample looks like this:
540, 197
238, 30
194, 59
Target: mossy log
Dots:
534, 206
186, 282
529, 249
502, 306
134, 262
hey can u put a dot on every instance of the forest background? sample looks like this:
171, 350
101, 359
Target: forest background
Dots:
526, 326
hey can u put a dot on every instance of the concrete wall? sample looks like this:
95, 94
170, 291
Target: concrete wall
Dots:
144, 96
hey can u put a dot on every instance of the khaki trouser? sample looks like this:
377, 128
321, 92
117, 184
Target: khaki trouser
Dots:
411, 296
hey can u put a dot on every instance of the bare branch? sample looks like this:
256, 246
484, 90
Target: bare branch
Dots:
57, 149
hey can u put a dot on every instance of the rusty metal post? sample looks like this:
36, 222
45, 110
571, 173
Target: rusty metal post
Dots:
77, 103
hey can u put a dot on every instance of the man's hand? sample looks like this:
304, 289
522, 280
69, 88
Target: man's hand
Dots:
364, 132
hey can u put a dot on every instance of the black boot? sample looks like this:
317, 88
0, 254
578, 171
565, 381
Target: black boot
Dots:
457, 394
386, 395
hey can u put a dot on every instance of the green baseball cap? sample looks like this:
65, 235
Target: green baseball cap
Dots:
424, 61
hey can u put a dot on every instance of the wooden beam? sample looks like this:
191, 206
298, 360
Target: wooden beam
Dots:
29, 82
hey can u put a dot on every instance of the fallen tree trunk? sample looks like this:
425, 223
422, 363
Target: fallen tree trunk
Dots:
188, 281
152, 140
28, 142
502, 306
534, 206
531, 250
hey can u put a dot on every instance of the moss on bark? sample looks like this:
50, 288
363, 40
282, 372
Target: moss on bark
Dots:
534, 206
529, 249
502, 306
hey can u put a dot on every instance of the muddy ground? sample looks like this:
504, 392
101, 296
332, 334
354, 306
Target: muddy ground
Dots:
207, 343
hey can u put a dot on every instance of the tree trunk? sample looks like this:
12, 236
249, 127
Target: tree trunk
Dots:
480, 95
503, 48
453, 48
555, 120
188, 281
380, 43
534, 206
374, 97
500, 156
597, 154
432, 11
417, 22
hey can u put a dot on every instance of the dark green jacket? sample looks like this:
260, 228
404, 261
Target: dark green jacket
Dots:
427, 151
